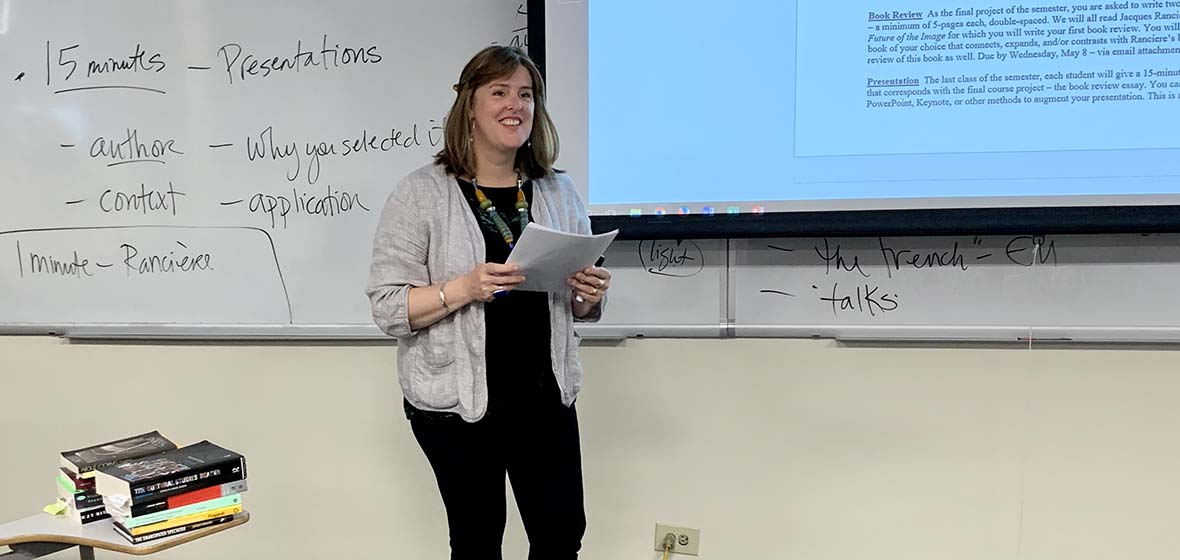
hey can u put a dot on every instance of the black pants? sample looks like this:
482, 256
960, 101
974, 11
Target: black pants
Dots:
532, 440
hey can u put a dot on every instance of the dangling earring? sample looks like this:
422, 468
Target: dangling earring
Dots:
471, 134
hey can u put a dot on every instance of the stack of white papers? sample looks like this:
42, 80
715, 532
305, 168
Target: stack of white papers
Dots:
547, 257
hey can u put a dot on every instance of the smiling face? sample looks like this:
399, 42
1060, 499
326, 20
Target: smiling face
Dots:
502, 112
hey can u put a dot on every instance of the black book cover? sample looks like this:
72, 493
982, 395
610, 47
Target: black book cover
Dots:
158, 501
86, 500
93, 514
189, 468
90, 458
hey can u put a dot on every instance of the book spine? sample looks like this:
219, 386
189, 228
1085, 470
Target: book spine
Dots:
92, 515
66, 484
185, 520
213, 475
147, 508
169, 532
173, 513
79, 500
188, 498
86, 501
72, 484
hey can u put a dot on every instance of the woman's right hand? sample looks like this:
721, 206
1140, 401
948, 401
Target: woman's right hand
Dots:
486, 279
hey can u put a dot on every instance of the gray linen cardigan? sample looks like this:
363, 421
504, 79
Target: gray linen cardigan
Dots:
428, 235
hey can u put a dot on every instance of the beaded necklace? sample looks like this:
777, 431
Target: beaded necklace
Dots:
522, 208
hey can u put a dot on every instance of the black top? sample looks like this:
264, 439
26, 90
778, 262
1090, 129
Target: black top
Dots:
518, 347
517, 323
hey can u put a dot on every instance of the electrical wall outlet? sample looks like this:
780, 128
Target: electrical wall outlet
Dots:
687, 541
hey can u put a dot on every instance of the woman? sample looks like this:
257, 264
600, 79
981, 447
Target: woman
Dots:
489, 374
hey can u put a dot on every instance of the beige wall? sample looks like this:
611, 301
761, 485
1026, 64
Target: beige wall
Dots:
774, 449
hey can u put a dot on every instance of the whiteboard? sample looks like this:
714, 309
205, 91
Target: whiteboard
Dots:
665, 288
216, 162
1075, 287
216, 167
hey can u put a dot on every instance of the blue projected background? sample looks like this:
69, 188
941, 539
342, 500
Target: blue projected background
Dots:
766, 105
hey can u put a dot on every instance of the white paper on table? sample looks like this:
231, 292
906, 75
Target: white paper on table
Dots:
547, 257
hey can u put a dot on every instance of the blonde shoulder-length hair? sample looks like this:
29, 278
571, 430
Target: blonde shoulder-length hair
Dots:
536, 157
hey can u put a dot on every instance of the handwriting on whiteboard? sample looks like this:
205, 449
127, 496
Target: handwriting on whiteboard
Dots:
131, 260
77, 67
679, 258
520, 32
860, 276
303, 158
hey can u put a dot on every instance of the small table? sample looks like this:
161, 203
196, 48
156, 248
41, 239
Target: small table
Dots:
43, 534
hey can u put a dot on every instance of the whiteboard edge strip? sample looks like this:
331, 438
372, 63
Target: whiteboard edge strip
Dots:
224, 332
961, 333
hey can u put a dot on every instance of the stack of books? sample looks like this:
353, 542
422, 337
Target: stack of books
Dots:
76, 478
173, 492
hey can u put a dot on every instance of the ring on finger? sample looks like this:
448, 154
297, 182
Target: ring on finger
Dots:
601, 282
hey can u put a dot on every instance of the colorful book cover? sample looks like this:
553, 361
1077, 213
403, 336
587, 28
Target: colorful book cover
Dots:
170, 532
186, 520
73, 482
172, 514
121, 507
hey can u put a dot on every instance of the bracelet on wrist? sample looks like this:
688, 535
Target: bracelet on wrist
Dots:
442, 297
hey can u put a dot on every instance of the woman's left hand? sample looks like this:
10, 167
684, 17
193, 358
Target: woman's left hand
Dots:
590, 284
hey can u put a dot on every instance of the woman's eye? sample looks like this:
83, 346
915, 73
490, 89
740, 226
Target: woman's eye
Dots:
527, 95
498, 93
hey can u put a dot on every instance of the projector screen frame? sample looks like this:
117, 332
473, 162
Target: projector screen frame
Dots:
1063, 220
1039, 220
